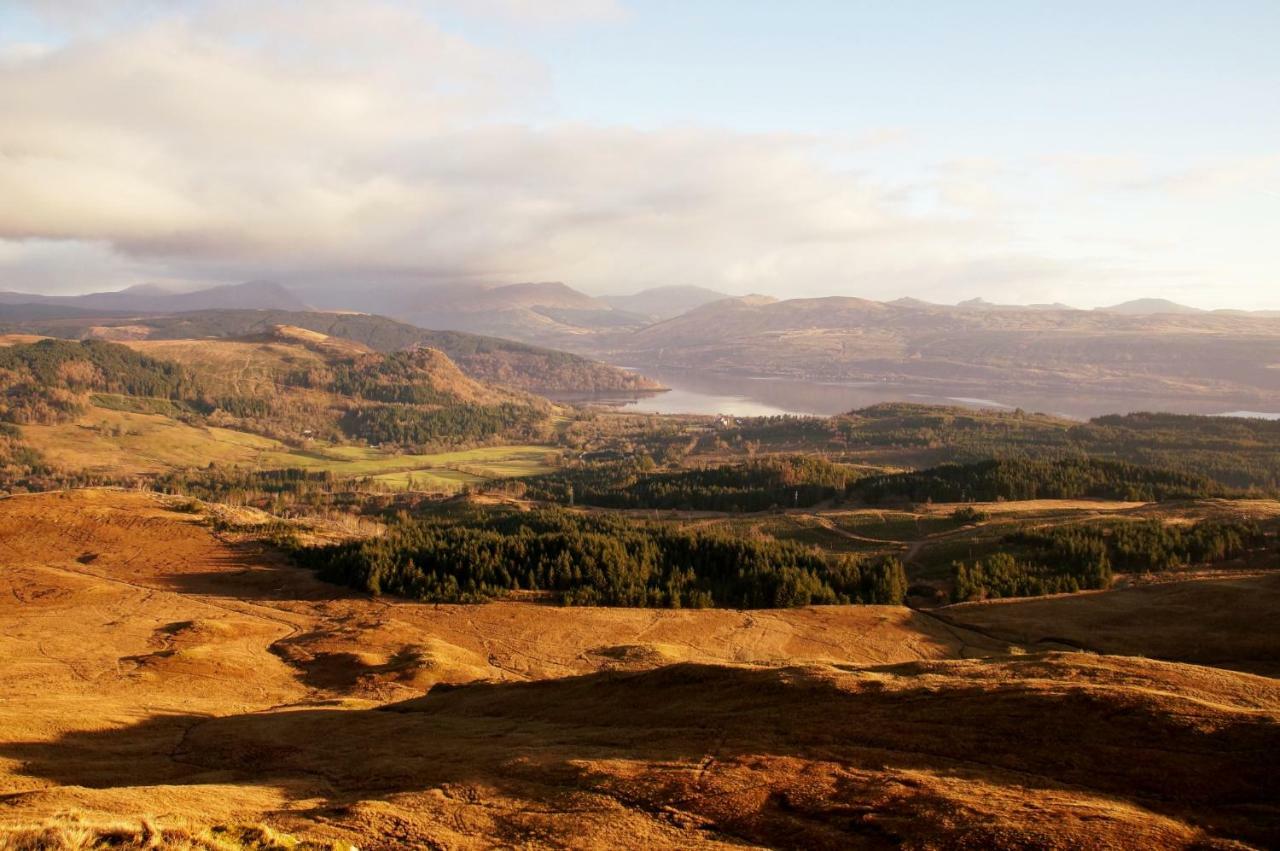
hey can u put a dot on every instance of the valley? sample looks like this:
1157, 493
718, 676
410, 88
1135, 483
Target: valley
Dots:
561, 425
327, 595
747, 355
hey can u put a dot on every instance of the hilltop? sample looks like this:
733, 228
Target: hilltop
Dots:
1150, 306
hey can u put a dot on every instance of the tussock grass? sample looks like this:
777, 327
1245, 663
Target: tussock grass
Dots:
70, 833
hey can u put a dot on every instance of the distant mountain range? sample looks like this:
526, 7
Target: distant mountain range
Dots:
1136, 307
1142, 349
546, 313
151, 298
1145, 347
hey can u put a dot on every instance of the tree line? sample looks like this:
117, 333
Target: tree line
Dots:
757, 485
404, 399
1086, 555
1150, 545
795, 481
592, 559
413, 426
1010, 479
1236, 452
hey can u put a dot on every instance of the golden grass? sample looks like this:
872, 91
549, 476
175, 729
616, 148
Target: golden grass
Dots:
233, 368
19, 339
205, 682
122, 442
127, 443
72, 833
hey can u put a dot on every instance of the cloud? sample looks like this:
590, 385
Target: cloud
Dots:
337, 140
236, 136
538, 11
1198, 180
59, 267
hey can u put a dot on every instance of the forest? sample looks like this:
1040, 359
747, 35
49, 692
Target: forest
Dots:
1002, 574
458, 424
1148, 545
797, 481
49, 381
988, 481
600, 560
1235, 452
791, 481
1084, 556
282, 491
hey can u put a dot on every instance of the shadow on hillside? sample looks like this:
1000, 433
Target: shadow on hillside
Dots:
537, 740
252, 571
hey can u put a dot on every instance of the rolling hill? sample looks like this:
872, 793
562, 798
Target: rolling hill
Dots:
487, 359
289, 399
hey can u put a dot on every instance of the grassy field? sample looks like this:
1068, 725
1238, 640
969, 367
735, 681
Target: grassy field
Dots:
900, 526
128, 443
125, 443
234, 368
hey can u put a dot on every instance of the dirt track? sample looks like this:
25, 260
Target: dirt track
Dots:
151, 669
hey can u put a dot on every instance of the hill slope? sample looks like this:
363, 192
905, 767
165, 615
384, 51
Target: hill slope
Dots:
288, 399
486, 359
208, 683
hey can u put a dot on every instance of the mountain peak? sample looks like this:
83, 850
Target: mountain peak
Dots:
148, 289
1141, 306
665, 302
908, 301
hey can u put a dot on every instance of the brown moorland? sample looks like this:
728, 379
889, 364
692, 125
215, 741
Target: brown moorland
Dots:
156, 670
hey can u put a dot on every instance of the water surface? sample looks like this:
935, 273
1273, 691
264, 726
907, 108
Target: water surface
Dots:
711, 393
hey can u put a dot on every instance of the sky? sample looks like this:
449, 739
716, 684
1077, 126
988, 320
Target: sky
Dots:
1080, 152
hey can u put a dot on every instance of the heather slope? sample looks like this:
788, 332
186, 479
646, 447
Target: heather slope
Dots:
207, 682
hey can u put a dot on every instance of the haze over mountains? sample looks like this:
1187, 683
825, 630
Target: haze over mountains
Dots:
151, 298
445, 305
1182, 356
1151, 349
